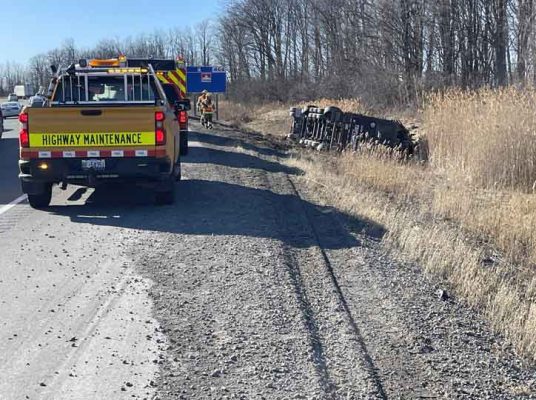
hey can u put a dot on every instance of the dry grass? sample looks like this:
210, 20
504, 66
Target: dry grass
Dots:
485, 137
269, 118
409, 202
469, 217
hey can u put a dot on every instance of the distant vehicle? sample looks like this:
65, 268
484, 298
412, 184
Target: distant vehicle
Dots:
10, 109
37, 101
12, 97
24, 91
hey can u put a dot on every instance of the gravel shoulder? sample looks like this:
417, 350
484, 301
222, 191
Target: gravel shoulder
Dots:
265, 293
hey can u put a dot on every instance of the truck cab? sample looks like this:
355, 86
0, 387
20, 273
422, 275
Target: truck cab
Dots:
104, 122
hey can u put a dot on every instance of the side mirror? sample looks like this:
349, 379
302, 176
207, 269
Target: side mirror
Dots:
183, 105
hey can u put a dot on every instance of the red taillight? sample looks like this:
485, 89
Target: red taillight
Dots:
159, 131
24, 138
160, 136
159, 116
183, 117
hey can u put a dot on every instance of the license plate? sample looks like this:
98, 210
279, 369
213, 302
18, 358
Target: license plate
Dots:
96, 165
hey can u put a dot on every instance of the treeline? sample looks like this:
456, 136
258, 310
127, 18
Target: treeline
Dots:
388, 50
197, 45
384, 51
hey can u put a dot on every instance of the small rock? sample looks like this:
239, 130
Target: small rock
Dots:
426, 349
442, 295
216, 374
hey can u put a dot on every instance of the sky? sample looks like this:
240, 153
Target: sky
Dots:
31, 27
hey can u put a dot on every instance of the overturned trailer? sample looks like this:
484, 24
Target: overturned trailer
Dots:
331, 128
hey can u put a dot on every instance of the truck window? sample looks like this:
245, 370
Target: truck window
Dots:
171, 93
70, 89
105, 88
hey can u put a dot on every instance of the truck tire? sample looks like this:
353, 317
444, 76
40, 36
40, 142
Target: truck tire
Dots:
41, 200
184, 143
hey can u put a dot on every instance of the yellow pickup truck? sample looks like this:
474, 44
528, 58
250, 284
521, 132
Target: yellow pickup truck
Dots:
104, 121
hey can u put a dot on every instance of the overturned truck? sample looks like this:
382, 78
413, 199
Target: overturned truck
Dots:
332, 129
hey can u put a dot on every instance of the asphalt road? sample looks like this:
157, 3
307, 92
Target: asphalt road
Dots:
9, 148
246, 288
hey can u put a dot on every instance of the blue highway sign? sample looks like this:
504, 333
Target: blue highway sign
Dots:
212, 79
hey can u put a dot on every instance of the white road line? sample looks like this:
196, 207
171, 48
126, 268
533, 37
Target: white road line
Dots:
9, 206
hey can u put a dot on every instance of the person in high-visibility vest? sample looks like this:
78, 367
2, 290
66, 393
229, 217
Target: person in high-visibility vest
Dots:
207, 111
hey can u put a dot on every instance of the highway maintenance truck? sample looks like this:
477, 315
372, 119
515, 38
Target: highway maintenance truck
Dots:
104, 121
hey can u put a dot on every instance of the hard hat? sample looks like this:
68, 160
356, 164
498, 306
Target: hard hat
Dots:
205, 91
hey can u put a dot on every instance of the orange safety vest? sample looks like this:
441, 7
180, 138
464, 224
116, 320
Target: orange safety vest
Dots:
207, 109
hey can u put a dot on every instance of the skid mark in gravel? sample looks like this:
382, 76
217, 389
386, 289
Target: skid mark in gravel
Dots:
366, 362
224, 296
340, 352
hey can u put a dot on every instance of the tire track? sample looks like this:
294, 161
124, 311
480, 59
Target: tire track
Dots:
326, 383
316, 288
367, 361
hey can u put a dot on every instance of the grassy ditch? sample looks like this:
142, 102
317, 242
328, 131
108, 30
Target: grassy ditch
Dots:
468, 216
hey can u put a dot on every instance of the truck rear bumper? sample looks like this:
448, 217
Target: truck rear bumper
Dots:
33, 175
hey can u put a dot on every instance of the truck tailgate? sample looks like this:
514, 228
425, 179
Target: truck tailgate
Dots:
80, 128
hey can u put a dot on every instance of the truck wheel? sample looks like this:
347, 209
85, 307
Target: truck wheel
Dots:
184, 143
41, 200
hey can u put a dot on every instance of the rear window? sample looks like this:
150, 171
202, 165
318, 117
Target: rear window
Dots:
171, 93
105, 88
